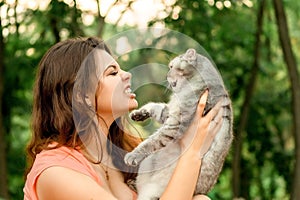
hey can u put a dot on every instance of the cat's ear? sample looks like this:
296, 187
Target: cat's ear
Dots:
190, 55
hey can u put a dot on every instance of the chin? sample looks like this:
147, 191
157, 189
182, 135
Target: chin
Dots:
133, 105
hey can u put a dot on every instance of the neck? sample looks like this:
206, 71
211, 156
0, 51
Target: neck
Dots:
104, 125
105, 122
96, 145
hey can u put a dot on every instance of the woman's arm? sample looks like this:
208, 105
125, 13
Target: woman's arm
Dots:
195, 144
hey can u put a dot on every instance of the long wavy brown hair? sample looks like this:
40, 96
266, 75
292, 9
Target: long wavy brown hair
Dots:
52, 117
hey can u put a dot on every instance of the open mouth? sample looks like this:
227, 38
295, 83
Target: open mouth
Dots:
128, 90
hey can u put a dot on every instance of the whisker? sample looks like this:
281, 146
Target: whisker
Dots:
168, 57
167, 87
167, 91
165, 83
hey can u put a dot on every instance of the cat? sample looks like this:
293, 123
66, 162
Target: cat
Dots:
189, 76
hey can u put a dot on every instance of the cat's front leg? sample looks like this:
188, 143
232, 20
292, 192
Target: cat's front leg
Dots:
157, 111
134, 158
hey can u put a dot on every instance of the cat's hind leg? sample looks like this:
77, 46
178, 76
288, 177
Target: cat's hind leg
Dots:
148, 191
148, 186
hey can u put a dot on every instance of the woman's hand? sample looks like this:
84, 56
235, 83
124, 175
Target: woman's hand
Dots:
203, 129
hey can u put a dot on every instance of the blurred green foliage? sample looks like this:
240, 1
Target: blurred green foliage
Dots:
226, 33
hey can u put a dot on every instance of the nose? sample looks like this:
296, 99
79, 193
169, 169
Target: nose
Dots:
126, 76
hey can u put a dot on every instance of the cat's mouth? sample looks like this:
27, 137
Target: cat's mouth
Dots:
173, 84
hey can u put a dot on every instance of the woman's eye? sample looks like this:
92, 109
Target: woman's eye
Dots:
114, 73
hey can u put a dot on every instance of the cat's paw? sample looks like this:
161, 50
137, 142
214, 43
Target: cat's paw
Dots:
139, 115
133, 159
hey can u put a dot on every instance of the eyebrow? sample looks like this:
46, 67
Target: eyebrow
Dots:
111, 66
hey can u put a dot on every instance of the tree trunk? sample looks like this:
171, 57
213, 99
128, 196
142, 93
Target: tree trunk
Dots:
3, 166
75, 28
238, 188
101, 22
291, 64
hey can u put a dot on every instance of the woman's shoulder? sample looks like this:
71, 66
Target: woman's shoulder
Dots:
58, 159
61, 153
64, 183
67, 157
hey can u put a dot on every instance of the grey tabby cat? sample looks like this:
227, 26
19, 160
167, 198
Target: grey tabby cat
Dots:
189, 76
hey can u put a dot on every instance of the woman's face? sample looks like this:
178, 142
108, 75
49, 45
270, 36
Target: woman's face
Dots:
113, 96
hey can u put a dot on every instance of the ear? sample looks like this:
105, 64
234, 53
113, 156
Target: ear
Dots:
190, 55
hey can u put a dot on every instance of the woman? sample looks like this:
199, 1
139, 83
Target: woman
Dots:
78, 142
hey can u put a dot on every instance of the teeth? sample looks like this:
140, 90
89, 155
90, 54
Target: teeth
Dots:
128, 91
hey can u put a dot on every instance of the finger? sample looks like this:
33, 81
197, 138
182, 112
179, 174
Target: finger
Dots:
219, 116
214, 111
213, 129
202, 102
216, 124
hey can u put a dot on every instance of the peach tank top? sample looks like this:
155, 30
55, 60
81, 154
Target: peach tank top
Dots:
62, 156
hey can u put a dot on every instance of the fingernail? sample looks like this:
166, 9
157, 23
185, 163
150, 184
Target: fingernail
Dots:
203, 97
